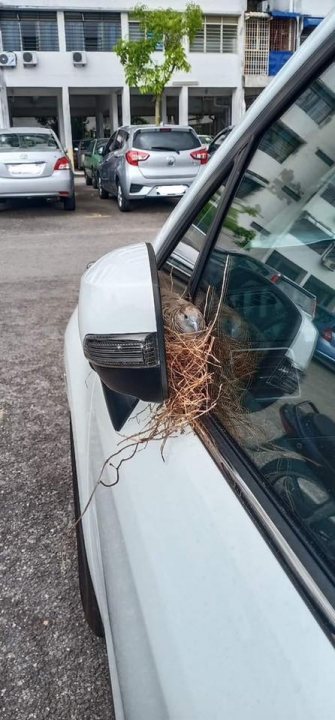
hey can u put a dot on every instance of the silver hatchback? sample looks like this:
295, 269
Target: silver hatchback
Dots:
34, 164
146, 161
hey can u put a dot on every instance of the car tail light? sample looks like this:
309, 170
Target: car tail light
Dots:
327, 334
275, 278
62, 163
201, 155
133, 157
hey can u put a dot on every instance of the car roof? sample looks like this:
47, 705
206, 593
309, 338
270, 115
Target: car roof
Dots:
40, 131
301, 58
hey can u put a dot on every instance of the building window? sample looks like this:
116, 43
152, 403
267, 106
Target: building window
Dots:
282, 35
329, 194
29, 31
279, 142
318, 102
291, 193
310, 233
286, 267
136, 33
257, 45
94, 32
217, 35
324, 157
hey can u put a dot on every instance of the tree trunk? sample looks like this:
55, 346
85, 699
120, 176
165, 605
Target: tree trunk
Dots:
158, 109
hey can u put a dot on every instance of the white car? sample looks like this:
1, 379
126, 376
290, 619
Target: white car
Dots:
214, 587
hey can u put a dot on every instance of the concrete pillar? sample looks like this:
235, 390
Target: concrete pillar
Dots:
126, 114
4, 112
124, 26
183, 105
99, 119
237, 105
61, 31
64, 120
164, 110
113, 112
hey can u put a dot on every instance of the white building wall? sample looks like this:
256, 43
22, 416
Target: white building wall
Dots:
316, 8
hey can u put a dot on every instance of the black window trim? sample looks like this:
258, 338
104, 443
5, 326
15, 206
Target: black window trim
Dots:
312, 580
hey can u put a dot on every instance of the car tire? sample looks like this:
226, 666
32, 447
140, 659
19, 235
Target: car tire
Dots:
122, 202
88, 180
87, 594
95, 181
103, 194
69, 203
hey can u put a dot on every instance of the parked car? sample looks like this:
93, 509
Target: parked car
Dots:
82, 147
33, 163
92, 160
147, 161
216, 598
299, 294
205, 139
325, 348
218, 140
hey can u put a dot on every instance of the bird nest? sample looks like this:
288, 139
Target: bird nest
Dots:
207, 371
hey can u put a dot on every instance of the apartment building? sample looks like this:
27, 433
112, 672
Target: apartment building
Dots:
57, 61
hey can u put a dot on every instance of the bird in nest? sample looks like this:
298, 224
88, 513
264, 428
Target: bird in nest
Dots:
180, 315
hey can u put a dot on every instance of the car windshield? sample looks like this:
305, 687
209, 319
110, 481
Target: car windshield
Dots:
299, 297
27, 141
165, 139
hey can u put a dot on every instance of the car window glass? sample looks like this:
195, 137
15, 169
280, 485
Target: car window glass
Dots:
275, 355
164, 138
27, 141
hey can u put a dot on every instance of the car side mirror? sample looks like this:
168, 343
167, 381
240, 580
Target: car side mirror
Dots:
101, 150
121, 324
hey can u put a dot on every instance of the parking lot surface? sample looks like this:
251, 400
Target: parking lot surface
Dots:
52, 665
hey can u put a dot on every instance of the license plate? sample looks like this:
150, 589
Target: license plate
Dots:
26, 169
171, 189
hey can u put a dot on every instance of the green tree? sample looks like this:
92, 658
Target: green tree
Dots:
166, 30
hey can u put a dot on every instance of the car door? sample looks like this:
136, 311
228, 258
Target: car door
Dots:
104, 168
117, 157
219, 581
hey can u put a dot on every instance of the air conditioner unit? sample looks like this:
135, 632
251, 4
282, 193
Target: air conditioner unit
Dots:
79, 57
7, 59
29, 58
263, 6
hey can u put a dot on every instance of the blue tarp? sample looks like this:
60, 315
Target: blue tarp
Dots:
285, 15
312, 21
278, 58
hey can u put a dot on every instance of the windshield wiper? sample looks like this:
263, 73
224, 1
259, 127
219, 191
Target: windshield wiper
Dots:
162, 147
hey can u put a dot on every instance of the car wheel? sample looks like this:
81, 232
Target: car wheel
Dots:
103, 194
122, 202
88, 180
95, 181
70, 202
87, 594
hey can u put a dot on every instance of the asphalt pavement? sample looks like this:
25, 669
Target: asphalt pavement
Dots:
51, 664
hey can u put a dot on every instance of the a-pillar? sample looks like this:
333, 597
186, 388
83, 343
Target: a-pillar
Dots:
99, 119
113, 112
126, 115
4, 112
64, 121
183, 105
164, 109
237, 105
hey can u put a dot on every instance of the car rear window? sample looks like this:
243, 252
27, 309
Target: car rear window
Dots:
299, 297
27, 141
165, 139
